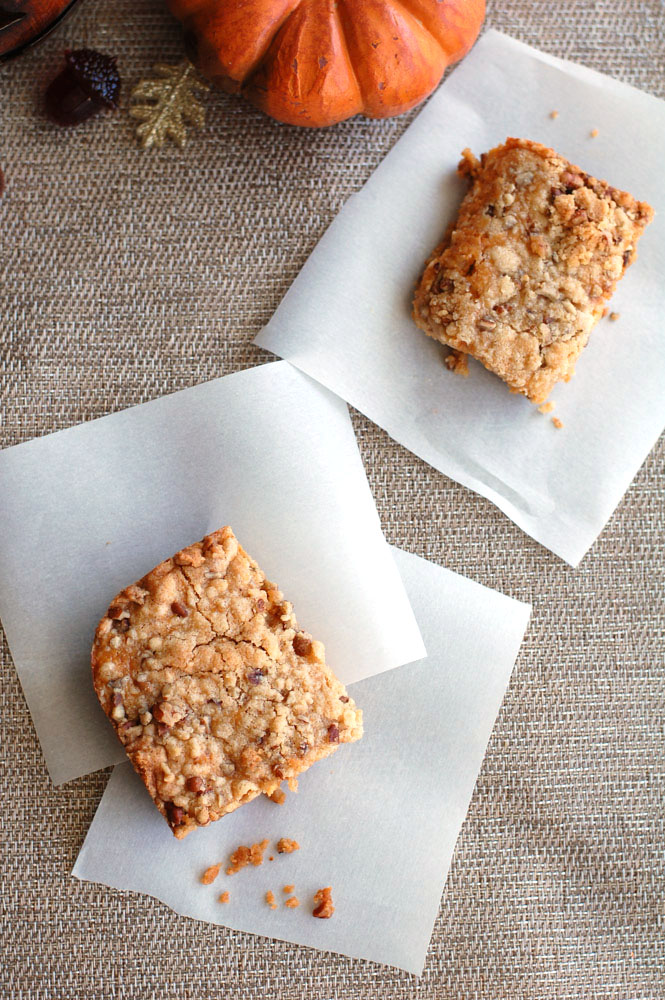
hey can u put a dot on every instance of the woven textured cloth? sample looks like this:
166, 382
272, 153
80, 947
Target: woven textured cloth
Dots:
127, 274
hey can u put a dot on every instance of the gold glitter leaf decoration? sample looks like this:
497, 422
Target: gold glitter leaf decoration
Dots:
168, 103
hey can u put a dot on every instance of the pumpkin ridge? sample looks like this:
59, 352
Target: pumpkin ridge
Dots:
423, 53
258, 65
406, 9
336, 15
443, 21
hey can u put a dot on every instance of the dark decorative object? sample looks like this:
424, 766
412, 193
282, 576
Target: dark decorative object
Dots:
89, 83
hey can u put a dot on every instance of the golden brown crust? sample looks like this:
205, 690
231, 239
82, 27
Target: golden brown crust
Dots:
214, 691
520, 280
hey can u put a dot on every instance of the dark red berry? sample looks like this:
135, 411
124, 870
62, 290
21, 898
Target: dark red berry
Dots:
88, 83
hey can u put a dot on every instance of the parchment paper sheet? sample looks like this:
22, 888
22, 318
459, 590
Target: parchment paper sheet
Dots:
346, 320
87, 511
378, 821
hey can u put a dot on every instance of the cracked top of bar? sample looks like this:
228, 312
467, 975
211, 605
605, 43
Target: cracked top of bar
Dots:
522, 276
214, 691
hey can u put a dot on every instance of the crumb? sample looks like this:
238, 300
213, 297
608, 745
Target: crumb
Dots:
324, 905
286, 846
293, 784
288, 888
243, 856
604, 312
278, 796
292, 902
270, 900
554, 114
614, 316
210, 874
107, 543
557, 423
271, 858
546, 408
225, 897
458, 363
593, 133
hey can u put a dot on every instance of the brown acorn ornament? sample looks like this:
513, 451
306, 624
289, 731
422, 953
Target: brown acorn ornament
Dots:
89, 83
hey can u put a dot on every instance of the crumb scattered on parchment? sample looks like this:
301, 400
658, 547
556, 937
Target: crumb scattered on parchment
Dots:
324, 905
288, 888
243, 856
604, 312
546, 408
457, 362
554, 114
292, 902
614, 316
278, 796
210, 874
225, 897
286, 846
557, 423
270, 900
293, 784
593, 133
271, 858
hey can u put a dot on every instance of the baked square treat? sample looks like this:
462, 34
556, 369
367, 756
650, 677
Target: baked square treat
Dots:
214, 691
521, 277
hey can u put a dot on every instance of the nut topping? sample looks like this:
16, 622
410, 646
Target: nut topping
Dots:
168, 714
175, 813
302, 646
324, 905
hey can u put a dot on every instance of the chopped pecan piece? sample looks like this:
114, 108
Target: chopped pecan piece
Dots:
324, 905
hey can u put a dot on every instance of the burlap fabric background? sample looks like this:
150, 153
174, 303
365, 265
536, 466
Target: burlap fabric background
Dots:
128, 274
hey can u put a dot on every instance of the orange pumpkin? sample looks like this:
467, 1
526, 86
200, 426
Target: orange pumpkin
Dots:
317, 62
25, 22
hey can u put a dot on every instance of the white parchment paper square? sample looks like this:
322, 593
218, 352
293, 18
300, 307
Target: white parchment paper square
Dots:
89, 510
378, 821
346, 320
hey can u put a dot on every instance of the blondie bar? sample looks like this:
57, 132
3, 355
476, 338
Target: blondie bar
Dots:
522, 276
214, 691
